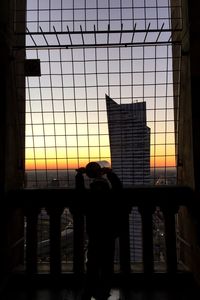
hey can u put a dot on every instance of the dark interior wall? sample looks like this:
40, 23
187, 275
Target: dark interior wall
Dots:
12, 139
188, 138
189, 108
11, 100
194, 31
3, 74
182, 96
194, 34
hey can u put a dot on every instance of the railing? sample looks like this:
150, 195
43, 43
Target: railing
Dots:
146, 199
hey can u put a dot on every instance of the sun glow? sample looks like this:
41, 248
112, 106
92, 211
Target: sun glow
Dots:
74, 157
79, 150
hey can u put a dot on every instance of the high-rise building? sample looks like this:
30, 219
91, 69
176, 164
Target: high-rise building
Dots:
129, 141
130, 155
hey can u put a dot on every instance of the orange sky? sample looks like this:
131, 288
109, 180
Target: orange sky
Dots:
160, 159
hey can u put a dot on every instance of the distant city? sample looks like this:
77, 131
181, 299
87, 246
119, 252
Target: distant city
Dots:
66, 178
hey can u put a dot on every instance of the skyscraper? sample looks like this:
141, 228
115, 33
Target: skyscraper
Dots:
129, 141
130, 155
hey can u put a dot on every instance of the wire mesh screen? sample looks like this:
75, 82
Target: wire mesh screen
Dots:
101, 79
100, 87
73, 108
101, 13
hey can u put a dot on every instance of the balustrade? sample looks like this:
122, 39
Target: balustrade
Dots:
55, 201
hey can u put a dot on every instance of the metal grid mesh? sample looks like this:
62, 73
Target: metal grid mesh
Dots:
66, 118
87, 13
105, 92
87, 50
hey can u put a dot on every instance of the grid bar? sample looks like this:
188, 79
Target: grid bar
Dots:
94, 37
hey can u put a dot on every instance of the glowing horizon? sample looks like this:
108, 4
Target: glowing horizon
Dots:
158, 160
54, 165
95, 147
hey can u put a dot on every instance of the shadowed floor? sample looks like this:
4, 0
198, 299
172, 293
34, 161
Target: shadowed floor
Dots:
186, 293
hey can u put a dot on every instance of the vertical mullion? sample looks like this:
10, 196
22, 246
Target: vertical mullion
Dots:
169, 15
143, 93
108, 70
38, 16
155, 94
49, 15
108, 67
121, 12
120, 77
108, 11
133, 15
74, 89
166, 97
64, 116
132, 97
61, 15
85, 15
73, 15
145, 15
132, 78
121, 118
177, 112
53, 112
157, 14
98, 118
97, 15
42, 114
86, 99
32, 133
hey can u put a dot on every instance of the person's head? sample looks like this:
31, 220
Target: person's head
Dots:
93, 169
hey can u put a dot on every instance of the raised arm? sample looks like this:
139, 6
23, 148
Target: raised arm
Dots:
79, 179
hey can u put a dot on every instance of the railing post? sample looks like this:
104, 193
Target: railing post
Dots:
78, 221
170, 237
147, 235
124, 245
31, 239
55, 240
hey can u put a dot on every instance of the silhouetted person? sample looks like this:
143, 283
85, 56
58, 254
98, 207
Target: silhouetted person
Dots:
101, 225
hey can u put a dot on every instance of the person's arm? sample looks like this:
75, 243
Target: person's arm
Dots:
79, 179
113, 179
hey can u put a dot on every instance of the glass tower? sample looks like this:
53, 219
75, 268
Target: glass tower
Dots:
130, 156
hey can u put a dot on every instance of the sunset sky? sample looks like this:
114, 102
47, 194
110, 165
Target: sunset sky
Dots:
66, 119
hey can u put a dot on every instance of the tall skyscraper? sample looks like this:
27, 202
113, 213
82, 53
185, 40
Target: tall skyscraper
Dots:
130, 155
129, 141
